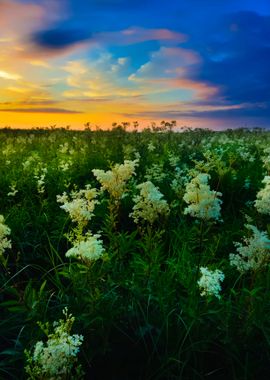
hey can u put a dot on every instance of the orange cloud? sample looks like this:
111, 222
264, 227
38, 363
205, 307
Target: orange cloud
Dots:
202, 91
135, 35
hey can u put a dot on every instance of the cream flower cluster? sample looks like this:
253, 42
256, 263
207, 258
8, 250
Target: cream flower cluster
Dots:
203, 202
149, 204
13, 190
80, 205
64, 148
55, 358
151, 147
262, 202
4, 232
89, 249
254, 254
30, 161
40, 174
65, 164
209, 282
114, 180
266, 158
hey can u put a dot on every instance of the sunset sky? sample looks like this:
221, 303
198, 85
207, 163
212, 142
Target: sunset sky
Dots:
204, 63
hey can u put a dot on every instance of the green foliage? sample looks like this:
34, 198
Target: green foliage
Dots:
138, 306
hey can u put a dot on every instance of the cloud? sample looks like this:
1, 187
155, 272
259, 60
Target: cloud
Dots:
24, 90
134, 35
20, 21
171, 68
40, 63
244, 111
9, 76
236, 55
54, 59
201, 91
39, 110
167, 62
101, 77
120, 4
29, 102
18, 18
39, 31
164, 76
59, 38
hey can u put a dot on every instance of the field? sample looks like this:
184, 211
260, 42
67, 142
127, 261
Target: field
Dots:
157, 243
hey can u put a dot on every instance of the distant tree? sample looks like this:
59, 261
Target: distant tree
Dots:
167, 125
135, 125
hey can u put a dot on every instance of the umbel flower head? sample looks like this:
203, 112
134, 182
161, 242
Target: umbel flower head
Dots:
149, 205
262, 202
210, 280
114, 180
4, 232
56, 358
254, 253
203, 202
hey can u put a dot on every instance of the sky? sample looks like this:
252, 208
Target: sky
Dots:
203, 63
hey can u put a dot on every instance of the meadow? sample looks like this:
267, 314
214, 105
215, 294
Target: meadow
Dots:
134, 255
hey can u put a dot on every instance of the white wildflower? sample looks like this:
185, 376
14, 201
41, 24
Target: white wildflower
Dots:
63, 148
26, 163
262, 202
34, 159
4, 232
9, 150
254, 253
266, 158
149, 204
64, 165
151, 147
203, 202
80, 205
209, 283
90, 249
114, 180
58, 356
155, 173
244, 153
13, 191
137, 155
40, 175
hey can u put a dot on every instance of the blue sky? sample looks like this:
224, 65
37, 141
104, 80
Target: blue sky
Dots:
203, 63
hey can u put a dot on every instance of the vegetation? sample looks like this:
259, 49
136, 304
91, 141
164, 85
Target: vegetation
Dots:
157, 244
